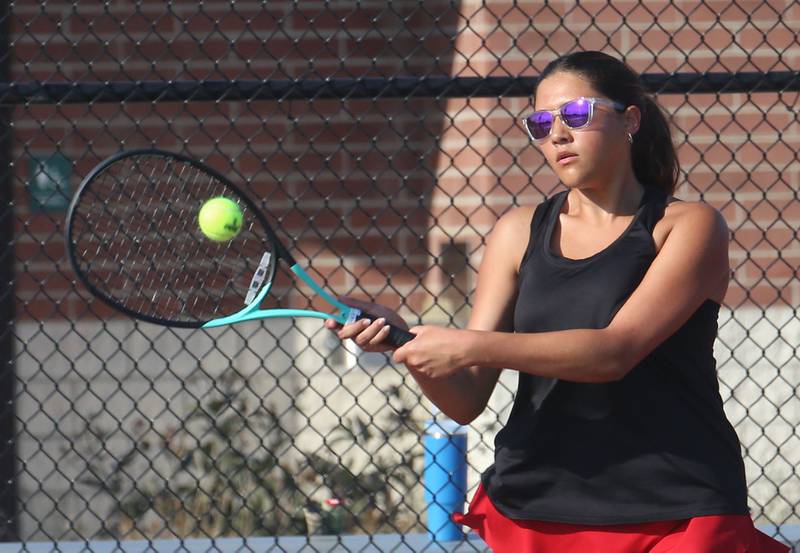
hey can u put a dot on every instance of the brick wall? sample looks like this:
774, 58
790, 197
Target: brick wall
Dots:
469, 153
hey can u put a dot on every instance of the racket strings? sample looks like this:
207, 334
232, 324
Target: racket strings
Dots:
136, 239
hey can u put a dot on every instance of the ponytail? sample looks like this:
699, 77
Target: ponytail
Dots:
653, 156
655, 162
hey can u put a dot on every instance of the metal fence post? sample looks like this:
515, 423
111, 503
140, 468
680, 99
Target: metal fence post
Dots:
8, 489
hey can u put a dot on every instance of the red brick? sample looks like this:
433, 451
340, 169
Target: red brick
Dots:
41, 24
765, 294
26, 250
30, 281
790, 212
748, 238
780, 271
371, 276
109, 24
736, 296
36, 309
44, 225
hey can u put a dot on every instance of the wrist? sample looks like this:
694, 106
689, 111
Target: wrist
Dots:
472, 350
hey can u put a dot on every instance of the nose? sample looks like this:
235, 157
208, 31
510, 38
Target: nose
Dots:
559, 133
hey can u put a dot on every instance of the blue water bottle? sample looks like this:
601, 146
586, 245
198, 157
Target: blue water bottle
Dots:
445, 475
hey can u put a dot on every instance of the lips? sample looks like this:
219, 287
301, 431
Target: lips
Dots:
565, 157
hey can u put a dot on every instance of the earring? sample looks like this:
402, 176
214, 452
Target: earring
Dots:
630, 138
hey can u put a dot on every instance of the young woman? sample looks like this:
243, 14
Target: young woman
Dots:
617, 440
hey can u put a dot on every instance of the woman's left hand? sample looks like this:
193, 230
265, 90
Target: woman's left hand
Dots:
436, 352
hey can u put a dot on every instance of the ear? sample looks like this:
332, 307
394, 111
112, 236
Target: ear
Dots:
633, 119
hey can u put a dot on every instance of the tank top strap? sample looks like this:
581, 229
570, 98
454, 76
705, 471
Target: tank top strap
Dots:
654, 202
546, 214
542, 219
553, 213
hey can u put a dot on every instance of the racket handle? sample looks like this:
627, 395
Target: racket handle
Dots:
397, 336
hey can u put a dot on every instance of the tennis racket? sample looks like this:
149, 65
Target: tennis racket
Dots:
133, 239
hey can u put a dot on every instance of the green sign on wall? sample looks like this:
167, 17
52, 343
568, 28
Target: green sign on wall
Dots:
49, 182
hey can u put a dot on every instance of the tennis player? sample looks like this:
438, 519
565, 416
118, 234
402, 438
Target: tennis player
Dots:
617, 440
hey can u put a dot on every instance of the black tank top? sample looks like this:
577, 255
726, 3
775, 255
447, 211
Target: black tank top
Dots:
655, 445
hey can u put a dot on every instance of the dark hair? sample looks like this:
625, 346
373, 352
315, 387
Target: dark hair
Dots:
655, 162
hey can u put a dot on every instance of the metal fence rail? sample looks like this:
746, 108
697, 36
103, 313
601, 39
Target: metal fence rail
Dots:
382, 137
369, 87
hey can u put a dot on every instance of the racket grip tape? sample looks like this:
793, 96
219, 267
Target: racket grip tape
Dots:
397, 336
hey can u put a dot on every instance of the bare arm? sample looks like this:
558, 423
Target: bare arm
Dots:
464, 394
691, 267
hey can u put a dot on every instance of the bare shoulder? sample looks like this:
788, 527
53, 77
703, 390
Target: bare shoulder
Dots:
699, 218
511, 234
512, 226
516, 219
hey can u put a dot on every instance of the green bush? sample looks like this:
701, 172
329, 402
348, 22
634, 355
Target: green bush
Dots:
225, 471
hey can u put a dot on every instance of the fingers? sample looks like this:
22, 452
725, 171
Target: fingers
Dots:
331, 324
374, 310
369, 336
369, 333
378, 338
400, 355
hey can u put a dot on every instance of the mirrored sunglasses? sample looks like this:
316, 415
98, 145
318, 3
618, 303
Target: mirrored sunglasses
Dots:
575, 114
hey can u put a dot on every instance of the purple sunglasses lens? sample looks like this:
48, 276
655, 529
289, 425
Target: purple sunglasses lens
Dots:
576, 113
539, 124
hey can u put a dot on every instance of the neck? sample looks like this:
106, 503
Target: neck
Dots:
620, 198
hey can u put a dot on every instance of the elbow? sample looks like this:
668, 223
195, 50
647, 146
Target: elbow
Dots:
614, 372
465, 412
463, 417
618, 359
466, 419
601, 374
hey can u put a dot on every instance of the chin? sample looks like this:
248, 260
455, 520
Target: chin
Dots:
571, 180
581, 180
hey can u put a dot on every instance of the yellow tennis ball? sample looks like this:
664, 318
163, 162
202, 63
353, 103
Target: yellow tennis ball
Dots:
220, 219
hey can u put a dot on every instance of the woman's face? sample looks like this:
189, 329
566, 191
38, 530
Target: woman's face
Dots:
594, 154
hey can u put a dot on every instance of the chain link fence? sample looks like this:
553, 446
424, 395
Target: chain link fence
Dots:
382, 137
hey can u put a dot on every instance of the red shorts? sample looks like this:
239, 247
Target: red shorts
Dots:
707, 534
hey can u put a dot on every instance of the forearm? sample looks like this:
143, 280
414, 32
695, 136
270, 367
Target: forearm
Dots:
461, 396
580, 355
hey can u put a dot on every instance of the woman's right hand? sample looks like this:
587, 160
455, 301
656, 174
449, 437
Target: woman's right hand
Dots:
369, 336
